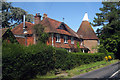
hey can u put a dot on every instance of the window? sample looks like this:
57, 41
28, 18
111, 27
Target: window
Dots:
81, 42
72, 40
57, 38
65, 39
62, 26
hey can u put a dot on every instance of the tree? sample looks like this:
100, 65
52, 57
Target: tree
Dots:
6, 13
109, 18
17, 14
13, 15
41, 36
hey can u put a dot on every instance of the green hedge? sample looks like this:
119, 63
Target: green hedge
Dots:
22, 63
66, 60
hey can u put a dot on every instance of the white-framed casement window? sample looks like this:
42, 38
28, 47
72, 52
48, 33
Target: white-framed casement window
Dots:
58, 38
72, 40
81, 42
65, 39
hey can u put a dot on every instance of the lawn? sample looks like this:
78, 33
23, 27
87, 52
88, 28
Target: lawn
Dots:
76, 71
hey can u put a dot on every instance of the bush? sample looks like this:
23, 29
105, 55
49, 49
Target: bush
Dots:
112, 55
66, 60
22, 63
60, 58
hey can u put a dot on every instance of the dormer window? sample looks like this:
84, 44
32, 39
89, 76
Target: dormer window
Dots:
65, 39
62, 26
58, 38
72, 40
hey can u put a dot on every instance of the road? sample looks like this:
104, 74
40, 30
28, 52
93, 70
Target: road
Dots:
111, 71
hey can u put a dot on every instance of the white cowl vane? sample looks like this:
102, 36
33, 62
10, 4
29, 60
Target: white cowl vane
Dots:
85, 18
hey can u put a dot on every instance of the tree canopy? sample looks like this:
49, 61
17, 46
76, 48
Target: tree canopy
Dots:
13, 15
41, 36
109, 34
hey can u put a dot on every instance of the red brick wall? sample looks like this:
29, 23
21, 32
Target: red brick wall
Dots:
30, 41
21, 40
62, 44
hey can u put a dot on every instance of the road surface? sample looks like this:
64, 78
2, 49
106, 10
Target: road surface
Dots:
111, 71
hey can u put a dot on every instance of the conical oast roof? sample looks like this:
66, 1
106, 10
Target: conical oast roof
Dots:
85, 30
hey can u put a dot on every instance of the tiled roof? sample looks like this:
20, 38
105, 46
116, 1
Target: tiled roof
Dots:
19, 29
2, 31
52, 25
86, 31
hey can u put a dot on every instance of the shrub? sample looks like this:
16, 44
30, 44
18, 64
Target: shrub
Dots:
22, 63
70, 60
112, 55
60, 58
12, 61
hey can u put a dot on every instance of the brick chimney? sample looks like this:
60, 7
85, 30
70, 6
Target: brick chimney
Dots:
37, 18
44, 15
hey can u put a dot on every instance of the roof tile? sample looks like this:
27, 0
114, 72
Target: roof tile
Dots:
19, 29
86, 31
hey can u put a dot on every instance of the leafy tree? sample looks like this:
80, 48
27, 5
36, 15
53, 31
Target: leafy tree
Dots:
109, 18
40, 34
13, 15
78, 47
17, 14
6, 13
29, 18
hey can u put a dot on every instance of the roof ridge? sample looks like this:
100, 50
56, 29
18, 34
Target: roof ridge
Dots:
49, 23
54, 20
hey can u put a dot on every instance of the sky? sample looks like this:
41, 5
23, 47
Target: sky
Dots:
72, 12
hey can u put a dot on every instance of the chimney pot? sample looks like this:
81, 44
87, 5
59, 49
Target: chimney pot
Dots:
36, 14
44, 15
37, 18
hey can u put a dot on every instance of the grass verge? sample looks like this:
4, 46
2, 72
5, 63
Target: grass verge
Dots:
78, 70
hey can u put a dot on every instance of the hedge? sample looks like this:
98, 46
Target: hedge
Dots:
66, 60
71, 60
22, 63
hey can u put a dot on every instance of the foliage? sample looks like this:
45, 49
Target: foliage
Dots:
109, 34
78, 47
23, 63
13, 15
8, 35
65, 60
60, 58
40, 34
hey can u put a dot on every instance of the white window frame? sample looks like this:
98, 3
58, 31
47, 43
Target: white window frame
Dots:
72, 40
58, 38
81, 42
65, 39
